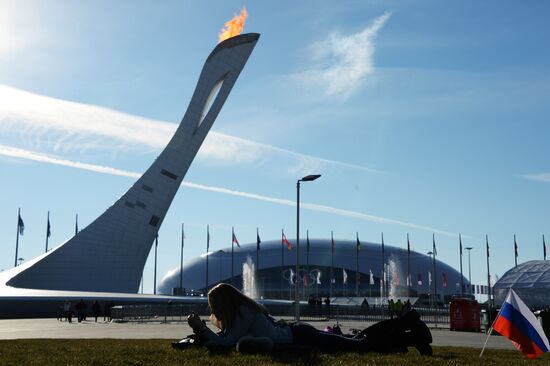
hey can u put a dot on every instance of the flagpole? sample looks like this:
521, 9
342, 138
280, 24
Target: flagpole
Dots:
47, 231
408, 267
461, 280
331, 262
207, 249
489, 305
155, 282
17, 238
296, 287
357, 267
181, 258
282, 263
488, 335
435, 275
486, 340
383, 274
232, 251
306, 288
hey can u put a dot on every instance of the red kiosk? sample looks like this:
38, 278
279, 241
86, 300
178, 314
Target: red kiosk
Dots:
465, 315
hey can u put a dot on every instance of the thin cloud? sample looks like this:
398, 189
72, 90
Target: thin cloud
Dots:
34, 156
350, 60
59, 126
542, 177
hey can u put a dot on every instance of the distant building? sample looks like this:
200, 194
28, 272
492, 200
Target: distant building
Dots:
275, 277
530, 281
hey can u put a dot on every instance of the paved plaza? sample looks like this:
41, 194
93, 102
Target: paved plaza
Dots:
52, 328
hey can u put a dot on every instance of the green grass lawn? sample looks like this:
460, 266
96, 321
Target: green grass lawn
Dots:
159, 352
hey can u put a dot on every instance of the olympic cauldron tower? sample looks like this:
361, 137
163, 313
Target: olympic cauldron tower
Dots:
110, 253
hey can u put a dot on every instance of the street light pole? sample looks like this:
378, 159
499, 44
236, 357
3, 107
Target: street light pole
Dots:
469, 269
307, 178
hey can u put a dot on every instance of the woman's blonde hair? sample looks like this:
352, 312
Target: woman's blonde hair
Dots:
224, 301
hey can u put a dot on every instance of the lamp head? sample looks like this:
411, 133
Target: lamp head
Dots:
309, 178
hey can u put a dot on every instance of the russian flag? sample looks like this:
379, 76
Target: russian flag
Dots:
516, 322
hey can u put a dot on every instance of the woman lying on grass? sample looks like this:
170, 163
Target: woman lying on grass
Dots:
239, 316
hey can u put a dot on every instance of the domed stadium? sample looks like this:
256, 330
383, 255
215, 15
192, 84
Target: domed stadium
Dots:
276, 276
530, 280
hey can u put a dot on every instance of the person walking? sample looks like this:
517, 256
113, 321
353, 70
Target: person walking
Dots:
68, 311
81, 310
96, 308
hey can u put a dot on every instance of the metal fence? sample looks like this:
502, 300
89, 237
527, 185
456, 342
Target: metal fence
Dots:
178, 313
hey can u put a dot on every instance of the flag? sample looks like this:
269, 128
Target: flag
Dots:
291, 277
234, 240
305, 279
318, 278
544, 247
419, 279
20, 225
332, 278
207, 239
307, 241
48, 229
429, 278
443, 279
258, 241
371, 279
487, 244
284, 240
434, 248
515, 247
460, 241
344, 276
358, 244
332, 239
76, 225
517, 323
408, 245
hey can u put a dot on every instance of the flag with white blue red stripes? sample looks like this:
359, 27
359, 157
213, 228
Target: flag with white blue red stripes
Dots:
516, 322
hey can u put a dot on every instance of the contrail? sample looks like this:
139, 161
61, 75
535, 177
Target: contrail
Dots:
89, 127
31, 155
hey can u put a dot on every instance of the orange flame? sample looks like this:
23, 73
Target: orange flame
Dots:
234, 27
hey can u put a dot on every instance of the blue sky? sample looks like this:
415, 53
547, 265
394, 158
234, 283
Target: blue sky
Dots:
422, 117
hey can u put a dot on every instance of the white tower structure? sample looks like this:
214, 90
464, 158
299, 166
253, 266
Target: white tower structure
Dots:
110, 253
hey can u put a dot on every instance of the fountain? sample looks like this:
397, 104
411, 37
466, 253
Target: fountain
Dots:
250, 287
394, 277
